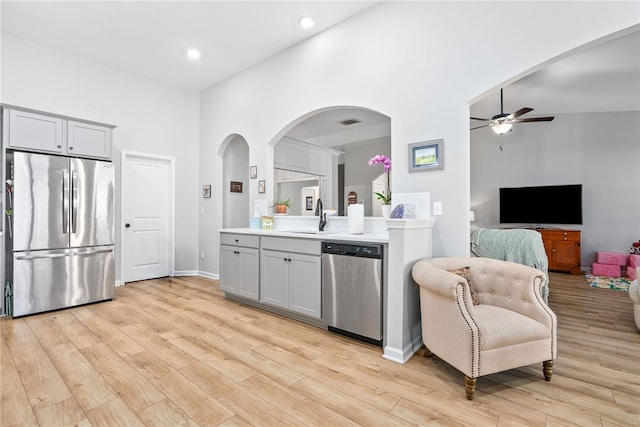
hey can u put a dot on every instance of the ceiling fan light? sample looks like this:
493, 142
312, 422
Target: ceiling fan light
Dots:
501, 128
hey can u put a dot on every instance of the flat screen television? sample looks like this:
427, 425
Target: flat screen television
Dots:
551, 204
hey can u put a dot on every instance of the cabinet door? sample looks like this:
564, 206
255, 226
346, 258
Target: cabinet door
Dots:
274, 268
248, 284
305, 289
563, 255
87, 140
35, 131
228, 269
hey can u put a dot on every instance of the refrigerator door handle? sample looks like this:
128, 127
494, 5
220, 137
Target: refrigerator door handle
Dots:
41, 256
65, 202
94, 252
74, 202
89, 252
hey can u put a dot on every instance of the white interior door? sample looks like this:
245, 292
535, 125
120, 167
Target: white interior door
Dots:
147, 241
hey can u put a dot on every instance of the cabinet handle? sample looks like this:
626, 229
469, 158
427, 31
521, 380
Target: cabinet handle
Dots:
285, 260
289, 260
236, 240
59, 146
553, 250
70, 148
236, 252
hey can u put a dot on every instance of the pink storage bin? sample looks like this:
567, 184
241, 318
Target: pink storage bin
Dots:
605, 270
634, 261
631, 273
611, 258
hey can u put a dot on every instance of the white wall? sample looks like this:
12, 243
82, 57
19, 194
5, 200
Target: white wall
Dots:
420, 63
601, 151
150, 118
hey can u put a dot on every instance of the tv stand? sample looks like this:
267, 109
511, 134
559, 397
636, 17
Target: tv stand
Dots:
562, 248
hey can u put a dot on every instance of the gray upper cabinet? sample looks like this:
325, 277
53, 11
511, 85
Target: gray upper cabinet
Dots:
293, 155
88, 140
34, 131
48, 133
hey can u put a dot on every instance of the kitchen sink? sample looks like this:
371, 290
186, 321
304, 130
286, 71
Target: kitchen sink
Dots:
310, 232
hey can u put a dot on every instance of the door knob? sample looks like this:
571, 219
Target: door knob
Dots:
127, 225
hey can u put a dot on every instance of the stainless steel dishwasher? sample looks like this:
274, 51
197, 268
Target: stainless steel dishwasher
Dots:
352, 290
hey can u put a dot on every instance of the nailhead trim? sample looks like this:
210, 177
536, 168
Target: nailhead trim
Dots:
474, 374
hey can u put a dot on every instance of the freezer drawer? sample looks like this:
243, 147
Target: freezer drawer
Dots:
49, 280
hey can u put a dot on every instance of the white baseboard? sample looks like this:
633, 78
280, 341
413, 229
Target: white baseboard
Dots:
208, 275
180, 273
402, 356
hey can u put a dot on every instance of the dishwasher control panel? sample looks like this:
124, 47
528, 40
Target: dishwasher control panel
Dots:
352, 249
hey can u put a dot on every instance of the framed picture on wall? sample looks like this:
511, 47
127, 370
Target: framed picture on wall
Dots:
206, 191
236, 187
426, 156
253, 172
261, 186
309, 203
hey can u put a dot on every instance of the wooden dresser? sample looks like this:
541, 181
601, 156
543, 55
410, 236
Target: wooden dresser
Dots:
563, 249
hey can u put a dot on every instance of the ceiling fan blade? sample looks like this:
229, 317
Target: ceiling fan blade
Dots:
478, 127
518, 113
478, 118
534, 119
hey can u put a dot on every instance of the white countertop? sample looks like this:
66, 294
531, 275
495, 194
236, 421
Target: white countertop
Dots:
315, 235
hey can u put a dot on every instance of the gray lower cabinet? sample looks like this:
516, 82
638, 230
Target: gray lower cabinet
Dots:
240, 266
291, 280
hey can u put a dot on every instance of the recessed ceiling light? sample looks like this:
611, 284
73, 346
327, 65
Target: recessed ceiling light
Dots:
193, 53
306, 22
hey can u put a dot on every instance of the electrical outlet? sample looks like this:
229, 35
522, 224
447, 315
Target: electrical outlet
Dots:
437, 208
202, 255
201, 211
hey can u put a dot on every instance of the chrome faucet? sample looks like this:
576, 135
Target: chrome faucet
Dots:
323, 216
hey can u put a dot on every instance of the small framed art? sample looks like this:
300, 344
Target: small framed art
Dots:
426, 156
206, 191
261, 186
253, 172
236, 187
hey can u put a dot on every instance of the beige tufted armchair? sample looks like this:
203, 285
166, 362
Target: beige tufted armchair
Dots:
509, 327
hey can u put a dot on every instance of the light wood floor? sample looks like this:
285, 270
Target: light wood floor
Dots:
173, 352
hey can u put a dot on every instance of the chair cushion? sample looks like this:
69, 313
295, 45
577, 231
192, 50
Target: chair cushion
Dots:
465, 273
500, 327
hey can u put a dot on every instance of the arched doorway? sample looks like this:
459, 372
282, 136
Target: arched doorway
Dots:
354, 135
235, 188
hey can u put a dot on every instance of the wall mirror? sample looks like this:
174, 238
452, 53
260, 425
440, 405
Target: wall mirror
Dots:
349, 138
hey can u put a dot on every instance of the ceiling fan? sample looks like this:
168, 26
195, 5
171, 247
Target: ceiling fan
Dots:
502, 123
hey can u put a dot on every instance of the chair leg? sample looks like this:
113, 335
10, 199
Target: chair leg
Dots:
547, 367
427, 352
469, 387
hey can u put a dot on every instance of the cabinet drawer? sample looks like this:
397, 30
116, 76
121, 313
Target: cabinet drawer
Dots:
573, 236
246, 240
287, 244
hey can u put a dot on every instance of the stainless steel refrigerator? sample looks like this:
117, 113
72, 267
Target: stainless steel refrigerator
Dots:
60, 234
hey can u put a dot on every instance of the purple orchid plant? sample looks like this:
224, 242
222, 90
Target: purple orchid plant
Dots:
386, 162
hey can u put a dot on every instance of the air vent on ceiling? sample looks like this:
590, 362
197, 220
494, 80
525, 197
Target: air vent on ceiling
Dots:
349, 122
